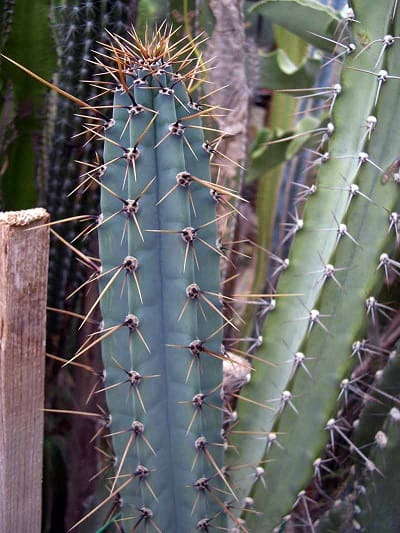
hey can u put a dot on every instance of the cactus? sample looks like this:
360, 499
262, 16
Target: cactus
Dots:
159, 284
378, 501
310, 340
339, 519
382, 397
79, 27
159, 288
370, 487
22, 100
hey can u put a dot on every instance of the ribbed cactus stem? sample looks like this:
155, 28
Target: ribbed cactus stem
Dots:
334, 265
159, 285
79, 28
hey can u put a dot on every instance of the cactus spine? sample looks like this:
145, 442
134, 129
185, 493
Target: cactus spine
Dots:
79, 26
152, 140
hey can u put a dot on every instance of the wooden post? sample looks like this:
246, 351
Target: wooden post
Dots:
23, 286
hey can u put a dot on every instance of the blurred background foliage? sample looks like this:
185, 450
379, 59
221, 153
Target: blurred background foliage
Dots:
26, 36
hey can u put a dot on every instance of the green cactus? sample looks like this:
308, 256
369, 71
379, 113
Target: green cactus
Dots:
378, 502
25, 36
367, 496
381, 398
149, 328
346, 224
339, 519
159, 292
159, 287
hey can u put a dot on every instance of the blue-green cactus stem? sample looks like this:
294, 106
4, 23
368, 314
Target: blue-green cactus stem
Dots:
162, 389
203, 211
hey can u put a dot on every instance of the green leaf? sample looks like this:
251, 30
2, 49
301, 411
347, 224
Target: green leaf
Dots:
264, 157
279, 72
303, 18
303, 128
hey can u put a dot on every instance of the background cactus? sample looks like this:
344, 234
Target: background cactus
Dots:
79, 27
323, 324
26, 37
297, 398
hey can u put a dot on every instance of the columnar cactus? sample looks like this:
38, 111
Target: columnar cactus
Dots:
79, 25
159, 286
159, 283
341, 246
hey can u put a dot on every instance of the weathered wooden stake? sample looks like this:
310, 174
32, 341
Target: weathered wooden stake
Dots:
23, 286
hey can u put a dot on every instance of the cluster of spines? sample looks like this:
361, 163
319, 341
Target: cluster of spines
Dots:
365, 496
298, 396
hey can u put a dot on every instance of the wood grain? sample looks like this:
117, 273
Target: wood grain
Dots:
23, 287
